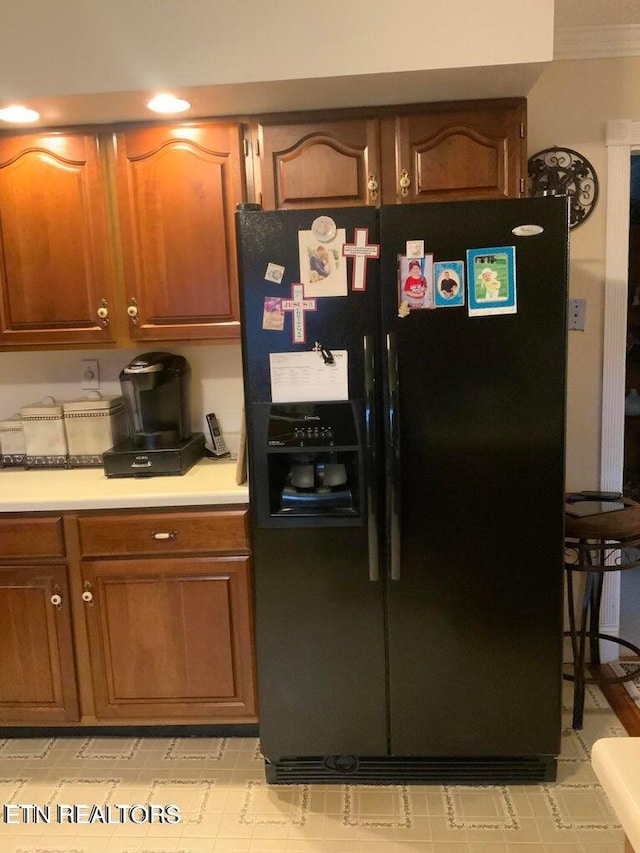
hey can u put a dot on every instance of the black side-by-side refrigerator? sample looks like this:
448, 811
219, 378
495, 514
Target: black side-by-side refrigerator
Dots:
407, 513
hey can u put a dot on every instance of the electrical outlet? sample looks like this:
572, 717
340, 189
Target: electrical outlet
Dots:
577, 314
90, 376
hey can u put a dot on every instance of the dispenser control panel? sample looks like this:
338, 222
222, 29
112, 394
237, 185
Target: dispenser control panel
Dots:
313, 432
312, 425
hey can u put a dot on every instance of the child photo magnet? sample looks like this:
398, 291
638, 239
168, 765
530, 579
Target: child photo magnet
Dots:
415, 282
491, 280
448, 277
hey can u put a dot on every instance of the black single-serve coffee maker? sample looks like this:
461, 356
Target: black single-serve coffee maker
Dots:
156, 392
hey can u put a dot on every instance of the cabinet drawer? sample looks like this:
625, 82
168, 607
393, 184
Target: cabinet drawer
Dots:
163, 533
31, 537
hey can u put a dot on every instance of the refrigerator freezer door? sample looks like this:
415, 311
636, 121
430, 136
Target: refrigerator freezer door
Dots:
319, 601
475, 614
320, 642
281, 239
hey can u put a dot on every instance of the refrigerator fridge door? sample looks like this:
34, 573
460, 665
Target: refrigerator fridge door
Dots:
475, 422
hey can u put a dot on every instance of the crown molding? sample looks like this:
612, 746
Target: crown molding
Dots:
597, 42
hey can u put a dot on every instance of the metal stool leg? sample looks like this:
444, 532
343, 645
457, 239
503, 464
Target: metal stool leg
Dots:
578, 649
579, 662
594, 620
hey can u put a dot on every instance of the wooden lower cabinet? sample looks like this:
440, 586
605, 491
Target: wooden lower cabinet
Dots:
170, 637
126, 617
37, 669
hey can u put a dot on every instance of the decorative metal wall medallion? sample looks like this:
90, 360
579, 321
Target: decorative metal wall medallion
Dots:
563, 171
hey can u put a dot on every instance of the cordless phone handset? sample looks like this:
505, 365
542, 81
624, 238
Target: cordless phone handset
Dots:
218, 442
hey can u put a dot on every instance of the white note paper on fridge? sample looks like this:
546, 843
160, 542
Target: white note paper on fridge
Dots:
302, 377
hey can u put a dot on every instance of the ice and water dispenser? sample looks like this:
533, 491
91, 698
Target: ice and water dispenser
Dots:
309, 471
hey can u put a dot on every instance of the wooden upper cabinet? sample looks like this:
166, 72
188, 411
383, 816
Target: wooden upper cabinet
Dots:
177, 188
392, 155
447, 152
55, 273
318, 163
127, 234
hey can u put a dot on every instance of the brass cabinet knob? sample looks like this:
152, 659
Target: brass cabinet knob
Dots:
372, 189
132, 310
405, 183
103, 312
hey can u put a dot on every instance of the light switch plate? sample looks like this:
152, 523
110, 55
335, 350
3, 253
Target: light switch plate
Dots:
577, 314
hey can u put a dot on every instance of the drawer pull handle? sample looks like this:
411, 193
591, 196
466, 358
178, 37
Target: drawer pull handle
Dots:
56, 600
87, 596
171, 535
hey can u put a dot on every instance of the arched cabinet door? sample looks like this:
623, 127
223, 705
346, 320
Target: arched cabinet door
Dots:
55, 262
177, 188
460, 151
317, 163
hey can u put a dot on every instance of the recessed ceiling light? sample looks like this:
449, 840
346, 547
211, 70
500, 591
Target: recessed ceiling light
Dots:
18, 114
168, 104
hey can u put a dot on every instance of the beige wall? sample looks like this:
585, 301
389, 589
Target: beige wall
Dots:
216, 380
569, 106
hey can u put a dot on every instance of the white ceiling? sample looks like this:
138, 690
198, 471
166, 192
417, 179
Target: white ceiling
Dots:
583, 29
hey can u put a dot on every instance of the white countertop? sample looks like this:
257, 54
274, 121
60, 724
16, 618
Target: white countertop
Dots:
208, 482
616, 763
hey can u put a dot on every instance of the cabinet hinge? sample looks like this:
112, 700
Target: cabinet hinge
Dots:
246, 147
521, 130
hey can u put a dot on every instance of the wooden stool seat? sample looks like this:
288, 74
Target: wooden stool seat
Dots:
620, 526
593, 546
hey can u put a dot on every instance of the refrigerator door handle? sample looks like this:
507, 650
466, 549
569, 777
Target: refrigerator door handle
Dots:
394, 443
371, 473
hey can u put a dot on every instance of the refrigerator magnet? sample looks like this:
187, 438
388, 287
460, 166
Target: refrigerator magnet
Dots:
298, 305
360, 250
324, 229
323, 269
491, 280
415, 282
448, 277
415, 248
274, 273
272, 314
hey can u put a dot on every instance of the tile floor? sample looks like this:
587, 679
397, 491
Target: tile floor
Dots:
225, 805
